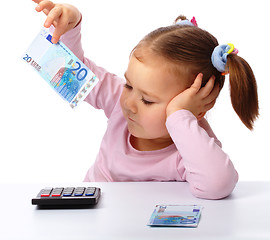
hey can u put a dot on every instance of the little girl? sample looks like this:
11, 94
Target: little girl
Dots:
156, 126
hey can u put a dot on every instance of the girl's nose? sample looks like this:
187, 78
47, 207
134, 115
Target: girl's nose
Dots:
130, 103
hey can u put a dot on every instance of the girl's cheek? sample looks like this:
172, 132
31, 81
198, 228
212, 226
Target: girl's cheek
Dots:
155, 119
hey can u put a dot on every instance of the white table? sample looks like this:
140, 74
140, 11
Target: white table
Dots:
125, 208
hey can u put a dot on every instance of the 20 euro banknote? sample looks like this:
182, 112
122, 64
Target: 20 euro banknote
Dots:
176, 215
61, 69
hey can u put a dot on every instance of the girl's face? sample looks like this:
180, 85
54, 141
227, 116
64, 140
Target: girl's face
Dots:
149, 88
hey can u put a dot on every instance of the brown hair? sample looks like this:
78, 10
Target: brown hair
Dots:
189, 49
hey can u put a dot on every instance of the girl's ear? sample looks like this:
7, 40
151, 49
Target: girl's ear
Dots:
201, 115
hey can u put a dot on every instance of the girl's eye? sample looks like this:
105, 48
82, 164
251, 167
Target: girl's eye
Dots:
127, 86
146, 102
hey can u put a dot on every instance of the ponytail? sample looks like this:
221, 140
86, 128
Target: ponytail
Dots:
243, 90
243, 85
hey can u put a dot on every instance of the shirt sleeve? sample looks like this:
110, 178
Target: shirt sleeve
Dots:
109, 88
208, 169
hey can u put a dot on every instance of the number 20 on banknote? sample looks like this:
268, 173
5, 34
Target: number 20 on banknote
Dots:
61, 69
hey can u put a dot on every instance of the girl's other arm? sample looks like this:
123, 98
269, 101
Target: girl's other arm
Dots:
208, 169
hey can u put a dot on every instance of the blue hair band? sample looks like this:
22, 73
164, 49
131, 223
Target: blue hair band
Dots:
184, 22
219, 56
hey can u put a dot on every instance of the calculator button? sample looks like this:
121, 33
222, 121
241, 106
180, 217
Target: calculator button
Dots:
79, 191
68, 191
57, 192
90, 191
45, 192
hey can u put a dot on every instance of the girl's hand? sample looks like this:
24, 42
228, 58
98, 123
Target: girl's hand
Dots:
62, 16
195, 99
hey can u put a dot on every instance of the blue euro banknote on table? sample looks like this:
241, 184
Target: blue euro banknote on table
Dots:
175, 216
61, 69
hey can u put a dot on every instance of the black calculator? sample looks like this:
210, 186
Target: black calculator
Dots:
67, 196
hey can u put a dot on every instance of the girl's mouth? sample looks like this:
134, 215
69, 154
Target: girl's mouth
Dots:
131, 119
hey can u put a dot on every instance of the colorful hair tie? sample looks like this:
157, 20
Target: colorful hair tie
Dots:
232, 50
219, 56
192, 22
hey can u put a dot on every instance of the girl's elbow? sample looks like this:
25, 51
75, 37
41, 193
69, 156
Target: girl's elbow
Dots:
212, 194
216, 189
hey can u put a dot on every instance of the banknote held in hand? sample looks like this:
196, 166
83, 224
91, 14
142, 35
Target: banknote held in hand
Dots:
60, 68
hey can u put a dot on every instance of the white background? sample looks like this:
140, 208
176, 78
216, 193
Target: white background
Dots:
44, 140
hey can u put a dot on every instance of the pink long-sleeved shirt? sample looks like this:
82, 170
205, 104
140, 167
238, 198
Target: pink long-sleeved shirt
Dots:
196, 155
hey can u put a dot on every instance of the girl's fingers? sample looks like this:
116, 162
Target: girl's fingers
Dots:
61, 16
59, 30
197, 83
210, 101
53, 15
45, 6
213, 95
207, 89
